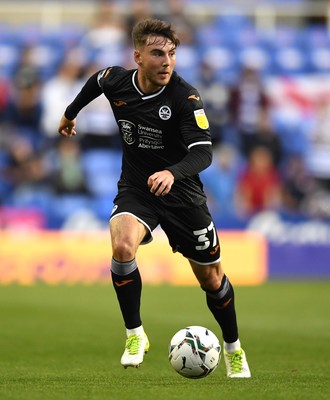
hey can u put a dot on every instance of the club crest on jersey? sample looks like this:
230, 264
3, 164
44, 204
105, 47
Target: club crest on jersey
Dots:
201, 119
127, 130
165, 113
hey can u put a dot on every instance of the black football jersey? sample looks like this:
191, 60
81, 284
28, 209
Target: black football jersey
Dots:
157, 130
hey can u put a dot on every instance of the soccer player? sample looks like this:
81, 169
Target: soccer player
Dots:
166, 143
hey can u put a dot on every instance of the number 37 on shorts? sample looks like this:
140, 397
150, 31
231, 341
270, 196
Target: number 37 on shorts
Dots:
207, 239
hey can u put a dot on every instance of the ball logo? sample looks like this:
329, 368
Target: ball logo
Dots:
127, 130
165, 113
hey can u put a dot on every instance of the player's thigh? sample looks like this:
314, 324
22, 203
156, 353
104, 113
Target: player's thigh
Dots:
191, 231
132, 216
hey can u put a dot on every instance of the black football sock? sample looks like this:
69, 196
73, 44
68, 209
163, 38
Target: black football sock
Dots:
221, 304
127, 282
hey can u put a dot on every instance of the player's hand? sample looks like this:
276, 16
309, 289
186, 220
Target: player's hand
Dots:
160, 183
67, 127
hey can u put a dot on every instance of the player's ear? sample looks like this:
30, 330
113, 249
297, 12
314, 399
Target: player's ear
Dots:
137, 57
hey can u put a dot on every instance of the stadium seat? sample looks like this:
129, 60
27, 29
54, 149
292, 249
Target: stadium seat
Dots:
315, 35
187, 64
64, 206
48, 48
102, 206
319, 59
32, 197
222, 60
232, 22
317, 44
102, 170
289, 60
256, 57
207, 35
9, 50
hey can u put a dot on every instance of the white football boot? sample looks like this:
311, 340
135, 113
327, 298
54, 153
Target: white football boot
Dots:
137, 344
236, 364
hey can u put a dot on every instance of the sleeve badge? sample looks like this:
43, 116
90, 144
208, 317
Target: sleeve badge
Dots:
201, 119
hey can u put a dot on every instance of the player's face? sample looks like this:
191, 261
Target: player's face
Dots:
156, 61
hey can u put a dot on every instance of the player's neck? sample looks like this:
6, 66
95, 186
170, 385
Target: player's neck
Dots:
145, 85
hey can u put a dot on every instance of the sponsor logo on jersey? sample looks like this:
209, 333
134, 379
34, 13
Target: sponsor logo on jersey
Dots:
194, 97
103, 74
127, 130
165, 113
201, 119
119, 103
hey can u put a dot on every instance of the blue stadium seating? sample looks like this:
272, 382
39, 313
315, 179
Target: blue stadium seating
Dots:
102, 171
225, 42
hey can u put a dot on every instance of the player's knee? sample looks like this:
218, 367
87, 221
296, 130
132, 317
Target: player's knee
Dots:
211, 280
208, 276
123, 251
211, 283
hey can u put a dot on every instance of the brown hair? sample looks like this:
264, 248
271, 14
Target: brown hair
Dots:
154, 27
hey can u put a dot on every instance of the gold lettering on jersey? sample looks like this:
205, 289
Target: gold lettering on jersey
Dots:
201, 119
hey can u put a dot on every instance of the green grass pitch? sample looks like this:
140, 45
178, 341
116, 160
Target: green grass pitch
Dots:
65, 342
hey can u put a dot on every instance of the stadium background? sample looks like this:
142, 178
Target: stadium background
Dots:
50, 188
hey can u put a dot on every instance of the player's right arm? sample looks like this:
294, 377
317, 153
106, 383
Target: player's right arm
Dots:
67, 127
90, 91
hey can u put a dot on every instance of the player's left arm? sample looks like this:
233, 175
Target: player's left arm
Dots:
198, 158
194, 128
195, 132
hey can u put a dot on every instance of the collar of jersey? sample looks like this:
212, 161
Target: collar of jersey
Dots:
144, 96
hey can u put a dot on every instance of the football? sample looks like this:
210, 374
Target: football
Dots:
194, 352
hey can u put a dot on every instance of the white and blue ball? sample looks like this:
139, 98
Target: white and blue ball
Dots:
194, 352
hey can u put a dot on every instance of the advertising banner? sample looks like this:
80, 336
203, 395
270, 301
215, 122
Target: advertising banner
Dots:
71, 257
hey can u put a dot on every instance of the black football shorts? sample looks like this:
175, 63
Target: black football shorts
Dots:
190, 230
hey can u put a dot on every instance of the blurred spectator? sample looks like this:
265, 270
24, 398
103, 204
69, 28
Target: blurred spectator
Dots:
266, 136
27, 71
139, 10
179, 18
4, 97
318, 151
215, 97
187, 64
259, 185
106, 38
298, 185
220, 180
24, 108
67, 175
97, 126
317, 205
25, 168
107, 26
247, 99
58, 91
